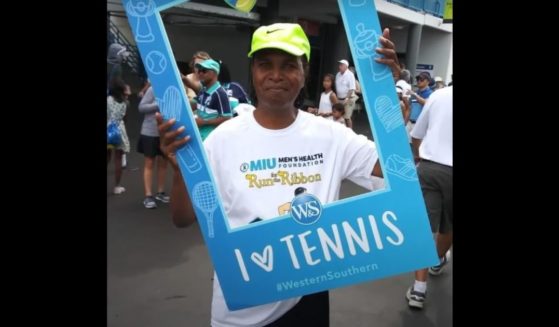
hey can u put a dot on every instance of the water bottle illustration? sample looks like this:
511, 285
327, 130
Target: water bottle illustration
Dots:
189, 158
365, 43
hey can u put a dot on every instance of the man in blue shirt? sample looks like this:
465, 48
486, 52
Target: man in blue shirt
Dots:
423, 93
417, 100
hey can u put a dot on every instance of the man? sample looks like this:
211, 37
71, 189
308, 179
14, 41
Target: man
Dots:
280, 55
213, 106
424, 91
404, 84
432, 139
417, 100
439, 83
345, 90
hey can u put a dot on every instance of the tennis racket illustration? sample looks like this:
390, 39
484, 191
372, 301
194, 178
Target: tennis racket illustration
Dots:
205, 199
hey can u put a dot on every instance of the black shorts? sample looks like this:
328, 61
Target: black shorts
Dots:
149, 146
312, 310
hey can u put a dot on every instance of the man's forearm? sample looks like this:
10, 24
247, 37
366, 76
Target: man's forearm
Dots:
181, 206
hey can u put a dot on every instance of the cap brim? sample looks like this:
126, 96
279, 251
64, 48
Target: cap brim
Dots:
280, 46
199, 65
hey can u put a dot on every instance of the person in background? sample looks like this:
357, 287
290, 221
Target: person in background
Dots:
345, 90
417, 100
116, 112
327, 98
338, 111
148, 144
404, 83
404, 105
116, 56
439, 83
192, 80
432, 144
213, 106
235, 91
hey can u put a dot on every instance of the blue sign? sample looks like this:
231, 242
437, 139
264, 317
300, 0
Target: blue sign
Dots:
314, 246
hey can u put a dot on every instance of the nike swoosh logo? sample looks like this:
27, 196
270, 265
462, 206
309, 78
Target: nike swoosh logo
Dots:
268, 32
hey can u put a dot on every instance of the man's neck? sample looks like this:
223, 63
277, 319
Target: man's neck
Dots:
275, 118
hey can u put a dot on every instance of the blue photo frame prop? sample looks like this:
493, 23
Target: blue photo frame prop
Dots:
320, 246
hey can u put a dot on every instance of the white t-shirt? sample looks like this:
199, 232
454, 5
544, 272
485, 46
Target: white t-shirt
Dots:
325, 105
434, 128
344, 83
257, 171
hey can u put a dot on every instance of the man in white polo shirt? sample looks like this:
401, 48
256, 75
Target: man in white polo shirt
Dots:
432, 145
345, 90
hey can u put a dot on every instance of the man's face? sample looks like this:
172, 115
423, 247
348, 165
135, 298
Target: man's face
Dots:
342, 68
421, 82
278, 77
197, 61
206, 76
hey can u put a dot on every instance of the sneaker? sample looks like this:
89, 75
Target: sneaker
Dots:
438, 269
415, 298
119, 190
161, 196
403, 168
149, 202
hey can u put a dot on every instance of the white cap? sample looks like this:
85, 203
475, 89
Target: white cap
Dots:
438, 79
345, 62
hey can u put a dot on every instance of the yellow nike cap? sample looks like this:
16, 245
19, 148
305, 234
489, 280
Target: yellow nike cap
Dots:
284, 36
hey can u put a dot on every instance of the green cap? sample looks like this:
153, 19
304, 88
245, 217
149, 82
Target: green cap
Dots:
208, 64
287, 37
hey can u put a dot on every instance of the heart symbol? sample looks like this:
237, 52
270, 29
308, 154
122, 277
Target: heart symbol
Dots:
390, 114
171, 106
265, 261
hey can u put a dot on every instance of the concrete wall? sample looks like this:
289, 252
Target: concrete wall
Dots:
231, 44
228, 43
435, 50
222, 42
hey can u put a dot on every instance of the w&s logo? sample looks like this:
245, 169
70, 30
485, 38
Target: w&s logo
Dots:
306, 209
